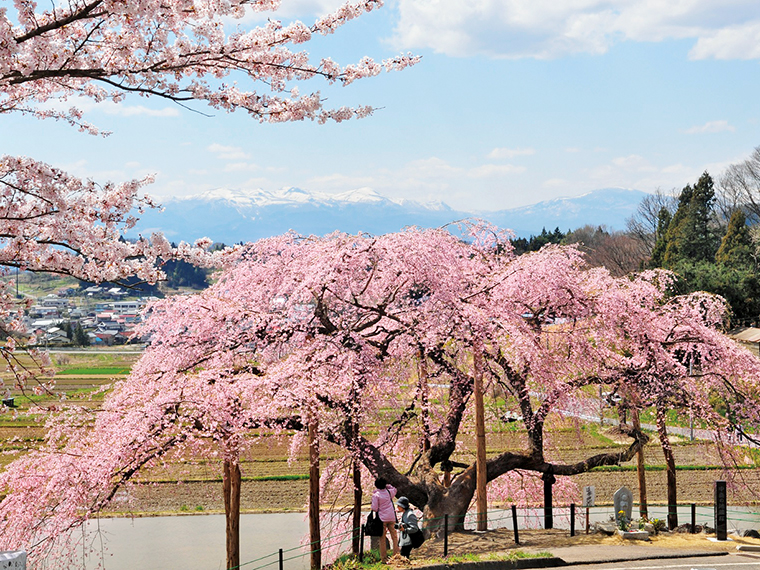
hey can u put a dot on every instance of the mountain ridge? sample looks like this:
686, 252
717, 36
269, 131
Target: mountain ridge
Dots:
232, 216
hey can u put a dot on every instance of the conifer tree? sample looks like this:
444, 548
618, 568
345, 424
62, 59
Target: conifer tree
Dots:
689, 237
663, 221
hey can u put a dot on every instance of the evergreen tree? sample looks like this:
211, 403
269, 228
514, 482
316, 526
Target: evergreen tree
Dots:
534, 243
658, 252
66, 327
689, 236
80, 336
740, 287
736, 247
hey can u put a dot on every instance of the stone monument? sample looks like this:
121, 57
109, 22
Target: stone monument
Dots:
623, 501
721, 511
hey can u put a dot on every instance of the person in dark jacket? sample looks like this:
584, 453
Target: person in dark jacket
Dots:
407, 525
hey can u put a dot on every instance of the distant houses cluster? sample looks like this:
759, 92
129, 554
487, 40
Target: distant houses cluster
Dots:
102, 317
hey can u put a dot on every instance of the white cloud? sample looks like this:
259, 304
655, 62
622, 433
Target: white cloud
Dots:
339, 181
431, 167
555, 183
499, 153
572, 149
133, 110
487, 170
227, 152
736, 42
87, 105
241, 167
633, 162
547, 28
710, 127
636, 171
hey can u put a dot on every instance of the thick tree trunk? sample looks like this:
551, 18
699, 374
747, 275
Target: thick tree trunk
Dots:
231, 488
314, 530
670, 469
454, 504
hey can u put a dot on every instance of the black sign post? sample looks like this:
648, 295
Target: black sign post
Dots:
721, 514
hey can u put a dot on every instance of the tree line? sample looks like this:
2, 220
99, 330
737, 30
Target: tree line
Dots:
707, 233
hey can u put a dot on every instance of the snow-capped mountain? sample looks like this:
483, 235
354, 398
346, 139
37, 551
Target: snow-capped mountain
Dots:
232, 216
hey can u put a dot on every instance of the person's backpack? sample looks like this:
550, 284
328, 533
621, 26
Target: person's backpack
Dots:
417, 538
373, 526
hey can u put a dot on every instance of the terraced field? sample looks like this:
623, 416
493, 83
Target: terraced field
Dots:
276, 481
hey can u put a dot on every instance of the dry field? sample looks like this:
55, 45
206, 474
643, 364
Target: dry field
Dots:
275, 481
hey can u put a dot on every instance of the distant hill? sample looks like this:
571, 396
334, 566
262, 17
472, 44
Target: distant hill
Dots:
231, 216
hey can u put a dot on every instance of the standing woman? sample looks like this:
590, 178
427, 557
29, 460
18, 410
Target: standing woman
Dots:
382, 504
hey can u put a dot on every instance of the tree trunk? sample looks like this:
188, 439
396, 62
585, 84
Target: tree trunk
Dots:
670, 469
357, 515
453, 504
640, 469
424, 401
314, 530
231, 488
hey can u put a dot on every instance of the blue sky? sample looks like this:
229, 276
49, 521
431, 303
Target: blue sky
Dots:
514, 101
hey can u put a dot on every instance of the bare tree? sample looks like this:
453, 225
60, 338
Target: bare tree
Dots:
642, 226
620, 252
739, 188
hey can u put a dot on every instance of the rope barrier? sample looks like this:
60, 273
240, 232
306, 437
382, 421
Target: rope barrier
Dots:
534, 513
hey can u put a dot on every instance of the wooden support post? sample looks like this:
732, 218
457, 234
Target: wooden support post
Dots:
480, 431
314, 529
231, 489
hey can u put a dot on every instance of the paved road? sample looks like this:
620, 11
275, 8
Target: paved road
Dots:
589, 410
725, 562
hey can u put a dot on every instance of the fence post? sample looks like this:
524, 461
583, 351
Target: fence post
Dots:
514, 524
693, 518
361, 543
281, 560
445, 535
572, 519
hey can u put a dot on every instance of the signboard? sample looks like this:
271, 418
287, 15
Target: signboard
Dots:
589, 496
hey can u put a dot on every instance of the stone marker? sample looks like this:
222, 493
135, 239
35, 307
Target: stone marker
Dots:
15, 560
721, 511
623, 501
589, 496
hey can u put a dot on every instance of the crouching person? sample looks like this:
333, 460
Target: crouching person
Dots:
411, 533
